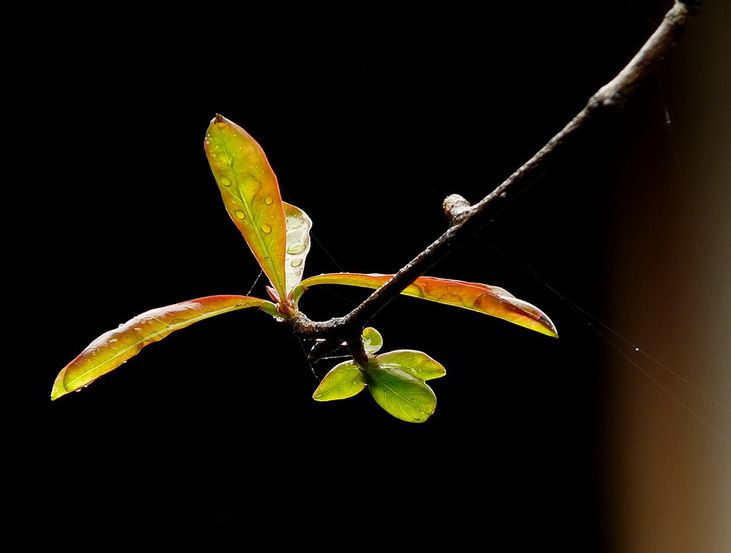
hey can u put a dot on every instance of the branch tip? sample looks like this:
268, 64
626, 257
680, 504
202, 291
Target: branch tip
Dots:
692, 5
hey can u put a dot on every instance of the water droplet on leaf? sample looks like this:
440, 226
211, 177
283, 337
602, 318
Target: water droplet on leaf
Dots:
294, 249
240, 214
113, 343
296, 262
266, 228
225, 181
268, 200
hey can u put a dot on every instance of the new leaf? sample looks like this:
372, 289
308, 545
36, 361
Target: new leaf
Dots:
343, 381
113, 348
372, 339
400, 394
298, 244
490, 300
251, 195
416, 363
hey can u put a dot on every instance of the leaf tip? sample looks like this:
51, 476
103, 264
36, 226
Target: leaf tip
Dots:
218, 122
59, 389
549, 329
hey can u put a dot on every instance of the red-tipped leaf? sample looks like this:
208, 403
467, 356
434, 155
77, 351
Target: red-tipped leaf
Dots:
251, 195
113, 348
490, 300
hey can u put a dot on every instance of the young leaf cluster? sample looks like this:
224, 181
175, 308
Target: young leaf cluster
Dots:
278, 235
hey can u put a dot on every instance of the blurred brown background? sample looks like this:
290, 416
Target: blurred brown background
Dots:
670, 473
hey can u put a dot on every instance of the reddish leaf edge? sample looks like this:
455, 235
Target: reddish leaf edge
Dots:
67, 381
485, 299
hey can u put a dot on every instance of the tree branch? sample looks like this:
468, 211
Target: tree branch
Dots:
466, 219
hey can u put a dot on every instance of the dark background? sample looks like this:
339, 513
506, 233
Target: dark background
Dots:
370, 118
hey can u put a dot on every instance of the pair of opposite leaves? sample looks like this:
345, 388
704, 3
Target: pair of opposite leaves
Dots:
278, 235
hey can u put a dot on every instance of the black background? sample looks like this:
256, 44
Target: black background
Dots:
370, 118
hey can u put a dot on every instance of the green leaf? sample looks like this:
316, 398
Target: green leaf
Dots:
372, 339
490, 300
343, 381
416, 363
115, 347
251, 195
399, 393
298, 244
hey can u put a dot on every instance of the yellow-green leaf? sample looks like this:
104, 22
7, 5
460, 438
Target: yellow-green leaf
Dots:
343, 381
115, 347
399, 393
251, 195
372, 339
416, 363
490, 300
298, 244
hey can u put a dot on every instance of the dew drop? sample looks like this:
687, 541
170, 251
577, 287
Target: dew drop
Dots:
240, 214
268, 200
294, 249
266, 228
296, 262
225, 181
113, 343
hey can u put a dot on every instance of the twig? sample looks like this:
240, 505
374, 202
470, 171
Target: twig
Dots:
466, 219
